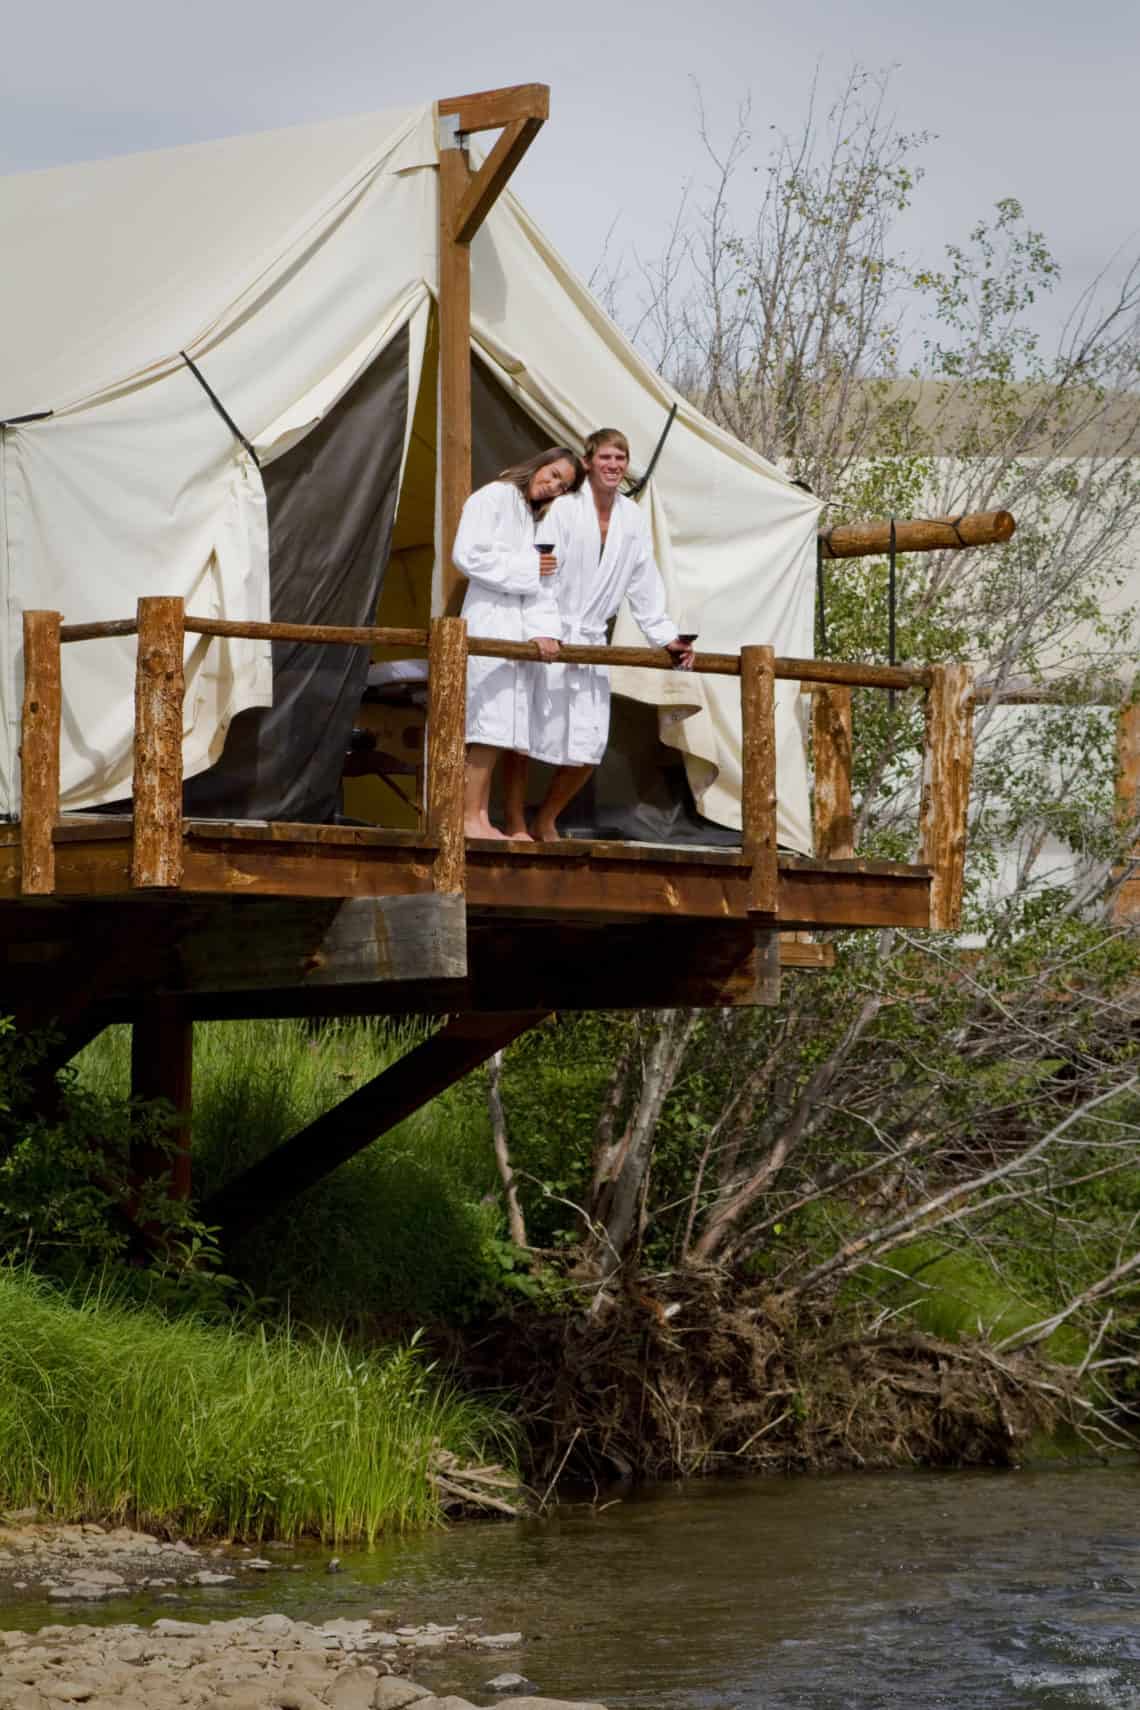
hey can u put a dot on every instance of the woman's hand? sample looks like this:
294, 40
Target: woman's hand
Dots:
547, 647
683, 654
547, 563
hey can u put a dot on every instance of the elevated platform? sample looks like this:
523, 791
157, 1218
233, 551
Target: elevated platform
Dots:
274, 918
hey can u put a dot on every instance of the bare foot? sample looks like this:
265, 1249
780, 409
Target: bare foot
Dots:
545, 831
482, 828
522, 835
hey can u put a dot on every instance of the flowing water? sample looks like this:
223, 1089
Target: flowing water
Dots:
869, 1592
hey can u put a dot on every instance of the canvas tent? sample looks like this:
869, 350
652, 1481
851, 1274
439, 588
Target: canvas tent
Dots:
293, 276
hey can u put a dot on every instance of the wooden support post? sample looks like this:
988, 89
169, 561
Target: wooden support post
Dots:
758, 780
831, 760
39, 753
447, 750
454, 433
1126, 904
947, 765
465, 200
156, 857
162, 1055
377, 1106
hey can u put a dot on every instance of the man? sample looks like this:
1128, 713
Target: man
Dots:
604, 556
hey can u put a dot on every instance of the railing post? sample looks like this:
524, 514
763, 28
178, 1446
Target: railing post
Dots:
39, 753
758, 779
156, 855
831, 762
947, 763
1126, 904
447, 750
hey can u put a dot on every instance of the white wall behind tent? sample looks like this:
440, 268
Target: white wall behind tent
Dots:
283, 264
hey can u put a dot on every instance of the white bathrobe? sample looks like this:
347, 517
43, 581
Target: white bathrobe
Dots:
570, 723
506, 597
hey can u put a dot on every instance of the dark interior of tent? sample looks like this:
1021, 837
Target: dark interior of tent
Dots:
351, 543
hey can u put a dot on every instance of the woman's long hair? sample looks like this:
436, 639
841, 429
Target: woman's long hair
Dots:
520, 475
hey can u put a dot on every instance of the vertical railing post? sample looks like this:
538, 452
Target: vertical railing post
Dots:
947, 764
758, 781
39, 753
1126, 904
156, 854
834, 821
447, 750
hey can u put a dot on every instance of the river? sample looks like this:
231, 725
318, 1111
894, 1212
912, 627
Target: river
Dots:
862, 1592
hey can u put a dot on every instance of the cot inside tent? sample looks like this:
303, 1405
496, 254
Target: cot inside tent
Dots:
219, 382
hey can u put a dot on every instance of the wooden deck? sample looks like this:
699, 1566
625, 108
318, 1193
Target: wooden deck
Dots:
272, 918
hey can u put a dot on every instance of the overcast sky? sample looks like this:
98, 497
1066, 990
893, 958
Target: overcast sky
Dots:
1032, 100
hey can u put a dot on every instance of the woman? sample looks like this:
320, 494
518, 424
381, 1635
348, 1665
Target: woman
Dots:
605, 555
510, 596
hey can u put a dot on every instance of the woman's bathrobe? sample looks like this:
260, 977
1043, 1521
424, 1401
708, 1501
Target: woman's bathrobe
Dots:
506, 597
570, 722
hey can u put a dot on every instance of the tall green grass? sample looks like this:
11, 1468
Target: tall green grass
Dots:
399, 1233
111, 1411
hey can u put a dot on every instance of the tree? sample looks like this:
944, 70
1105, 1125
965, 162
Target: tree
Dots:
926, 1098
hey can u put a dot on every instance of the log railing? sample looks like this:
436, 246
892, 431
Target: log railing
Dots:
157, 827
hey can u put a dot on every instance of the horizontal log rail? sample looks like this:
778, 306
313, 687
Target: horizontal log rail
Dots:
785, 669
157, 828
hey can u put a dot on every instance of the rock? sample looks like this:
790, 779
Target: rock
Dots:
67, 1691
497, 1641
449, 1703
427, 1641
387, 1641
353, 1691
334, 1565
178, 1629
393, 1693
381, 1614
517, 1683
208, 1578
258, 1563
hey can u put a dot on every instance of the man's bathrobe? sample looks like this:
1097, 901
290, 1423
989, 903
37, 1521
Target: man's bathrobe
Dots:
570, 722
506, 597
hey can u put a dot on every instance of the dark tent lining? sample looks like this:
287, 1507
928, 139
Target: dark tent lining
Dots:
331, 502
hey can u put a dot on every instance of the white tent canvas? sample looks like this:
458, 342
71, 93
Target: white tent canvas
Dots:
284, 265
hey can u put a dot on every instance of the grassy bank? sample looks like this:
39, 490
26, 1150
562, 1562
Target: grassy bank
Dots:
115, 1412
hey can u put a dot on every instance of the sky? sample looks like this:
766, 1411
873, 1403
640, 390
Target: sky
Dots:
1035, 101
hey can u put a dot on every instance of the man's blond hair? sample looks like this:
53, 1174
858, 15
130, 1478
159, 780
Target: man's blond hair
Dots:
605, 436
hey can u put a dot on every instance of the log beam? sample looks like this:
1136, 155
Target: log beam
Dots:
156, 857
39, 752
374, 1109
946, 768
917, 534
834, 821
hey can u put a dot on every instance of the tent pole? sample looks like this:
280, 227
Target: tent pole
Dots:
465, 200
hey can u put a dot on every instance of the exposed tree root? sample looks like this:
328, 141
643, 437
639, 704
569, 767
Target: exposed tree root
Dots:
714, 1377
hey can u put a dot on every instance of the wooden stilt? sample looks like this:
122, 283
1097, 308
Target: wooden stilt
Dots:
162, 1054
946, 768
460, 1046
39, 753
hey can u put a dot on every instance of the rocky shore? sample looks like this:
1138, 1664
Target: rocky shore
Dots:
264, 1662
